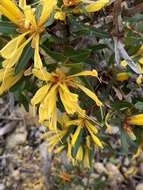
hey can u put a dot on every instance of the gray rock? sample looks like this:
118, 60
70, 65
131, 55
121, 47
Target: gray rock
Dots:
139, 186
2, 186
18, 137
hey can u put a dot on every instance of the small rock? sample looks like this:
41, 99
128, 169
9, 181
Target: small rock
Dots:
18, 137
2, 186
139, 186
16, 174
100, 168
85, 181
79, 187
114, 173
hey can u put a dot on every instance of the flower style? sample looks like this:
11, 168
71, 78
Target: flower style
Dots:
76, 136
58, 83
29, 28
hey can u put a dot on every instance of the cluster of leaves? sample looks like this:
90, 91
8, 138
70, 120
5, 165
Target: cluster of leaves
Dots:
52, 46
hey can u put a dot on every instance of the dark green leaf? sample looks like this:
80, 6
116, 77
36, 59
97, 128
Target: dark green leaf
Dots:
7, 28
24, 59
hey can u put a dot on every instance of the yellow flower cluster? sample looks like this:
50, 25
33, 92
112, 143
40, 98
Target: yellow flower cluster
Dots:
58, 85
76, 136
88, 6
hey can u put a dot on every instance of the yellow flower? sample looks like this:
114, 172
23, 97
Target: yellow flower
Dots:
80, 130
57, 84
123, 76
8, 79
89, 5
139, 80
95, 6
28, 25
83, 123
60, 15
135, 119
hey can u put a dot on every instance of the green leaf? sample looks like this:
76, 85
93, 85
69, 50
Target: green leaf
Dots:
7, 28
27, 54
139, 106
124, 141
76, 55
55, 55
80, 55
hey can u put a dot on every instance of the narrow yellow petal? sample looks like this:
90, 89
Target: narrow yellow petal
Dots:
37, 59
92, 127
109, 127
135, 120
41, 74
95, 138
47, 8
69, 155
123, 76
141, 60
85, 73
11, 47
53, 119
96, 6
90, 94
11, 11
9, 82
40, 94
4, 73
43, 113
69, 99
14, 59
49, 108
79, 155
29, 17
9, 15
139, 80
74, 122
86, 161
22, 4
59, 149
75, 135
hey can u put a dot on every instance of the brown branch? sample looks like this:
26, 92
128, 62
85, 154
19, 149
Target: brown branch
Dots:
117, 24
132, 11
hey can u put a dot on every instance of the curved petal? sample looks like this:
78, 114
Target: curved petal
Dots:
90, 94
75, 135
37, 59
11, 11
86, 161
41, 74
69, 99
95, 138
11, 47
79, 155
40, 94
85, 73
9, 82
135, 119
47, 8
96, 6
